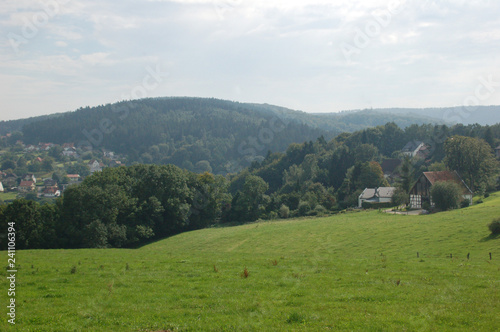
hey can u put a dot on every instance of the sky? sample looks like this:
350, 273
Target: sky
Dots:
314, 56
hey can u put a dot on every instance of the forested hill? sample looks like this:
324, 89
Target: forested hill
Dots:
194, 133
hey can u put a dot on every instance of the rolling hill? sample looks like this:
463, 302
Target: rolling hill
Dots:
194, 133
354, 271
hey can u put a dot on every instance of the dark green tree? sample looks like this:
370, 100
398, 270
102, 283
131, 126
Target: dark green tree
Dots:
446, 195
472, 158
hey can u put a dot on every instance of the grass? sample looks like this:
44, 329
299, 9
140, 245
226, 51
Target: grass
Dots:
357, 271
8, 196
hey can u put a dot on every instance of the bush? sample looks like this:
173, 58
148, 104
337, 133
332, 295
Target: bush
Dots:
400, 197
465, 203
304, 208
284, 211
273, 215
446, 195
320, 210
494, 227
368, 205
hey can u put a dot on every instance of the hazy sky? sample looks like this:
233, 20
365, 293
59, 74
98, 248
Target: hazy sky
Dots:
315, 56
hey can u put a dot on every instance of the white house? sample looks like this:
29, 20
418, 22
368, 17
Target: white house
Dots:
376, 195
51, 192
73, 178
412, 148
68, 152
1, 187
95, 166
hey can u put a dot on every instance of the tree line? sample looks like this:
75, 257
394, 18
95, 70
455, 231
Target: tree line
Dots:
130, 206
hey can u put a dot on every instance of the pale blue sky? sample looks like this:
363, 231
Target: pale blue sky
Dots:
315, 56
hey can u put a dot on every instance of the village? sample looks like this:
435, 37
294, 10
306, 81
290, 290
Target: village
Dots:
46, 170
52, 168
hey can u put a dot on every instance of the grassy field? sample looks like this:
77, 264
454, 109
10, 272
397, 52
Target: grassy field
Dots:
8, 196
357, 271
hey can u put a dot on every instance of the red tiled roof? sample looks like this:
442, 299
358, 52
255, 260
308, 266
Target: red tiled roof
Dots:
26, 183
434, 177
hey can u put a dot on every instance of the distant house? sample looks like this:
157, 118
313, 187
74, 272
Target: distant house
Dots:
29, 177
421, 191
49, 183
109, 154
73, 178
45, 146
9, 183
115, 163
69, 151
51, 192
1, 187
26, 186
412, 148
95, 166
497, 151
30, 148
376, 195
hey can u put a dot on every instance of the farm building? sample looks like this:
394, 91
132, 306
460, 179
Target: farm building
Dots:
421, 191
376, 195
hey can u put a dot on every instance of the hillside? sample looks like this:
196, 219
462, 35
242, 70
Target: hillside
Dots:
194, 133
483, 115
357, 271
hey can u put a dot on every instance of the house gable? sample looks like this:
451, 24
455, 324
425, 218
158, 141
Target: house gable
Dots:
421, 190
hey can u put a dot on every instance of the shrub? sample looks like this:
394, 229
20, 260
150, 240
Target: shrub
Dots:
273, 215
465, 203
320, 210
284, 211
400, 197
446, 195
304, 208
368, 205
494, 227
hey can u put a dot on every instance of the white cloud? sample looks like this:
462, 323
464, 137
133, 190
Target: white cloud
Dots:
275, 51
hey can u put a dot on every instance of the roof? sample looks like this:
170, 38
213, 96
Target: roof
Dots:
411, 146
497, 148
27, 184
73, 176
434, 177
382, 192
51, 190
385, 192
367, 193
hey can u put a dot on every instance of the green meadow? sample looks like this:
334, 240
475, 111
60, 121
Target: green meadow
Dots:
360, 271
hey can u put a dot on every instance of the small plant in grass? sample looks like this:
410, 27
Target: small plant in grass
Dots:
127, 267
216, 269
274, 262
295, 317
494, 227
73, 270
245, 273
